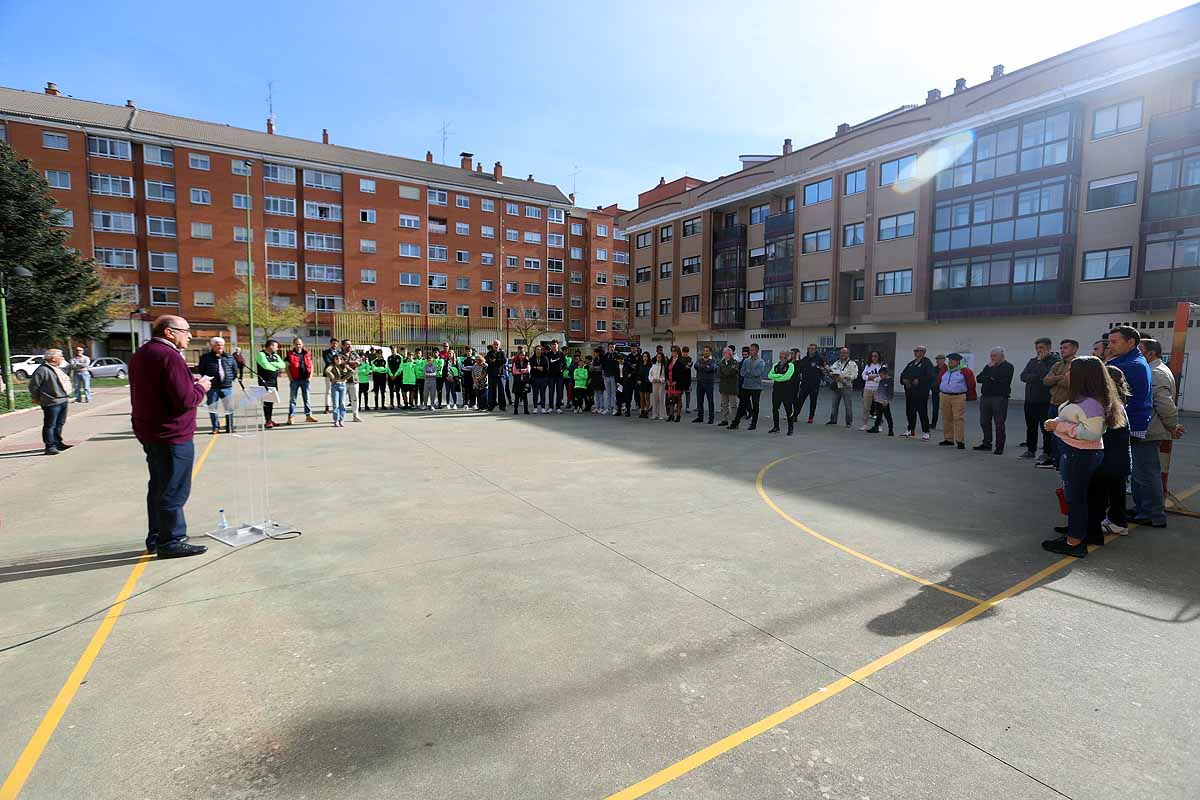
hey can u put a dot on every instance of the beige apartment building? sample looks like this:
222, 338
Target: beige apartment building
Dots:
1056, 200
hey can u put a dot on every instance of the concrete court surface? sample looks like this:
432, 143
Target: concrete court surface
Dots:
561, 607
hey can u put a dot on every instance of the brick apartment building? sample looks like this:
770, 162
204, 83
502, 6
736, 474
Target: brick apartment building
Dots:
161, 203
1056, 200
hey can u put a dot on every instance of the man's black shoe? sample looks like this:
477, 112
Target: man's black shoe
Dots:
698, 419
1062, 547
721, 424
962, 446
710, 420
1061, 529
982, 447
832, 422
753, 425
733, 426
791, 430
181, 550
64, 446
1045, 463
1028, 454
999, 451
944, 443
774, 430
50, 451
1145, 523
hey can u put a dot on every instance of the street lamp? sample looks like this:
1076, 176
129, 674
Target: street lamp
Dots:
249, 260
316, 311
18, 272
132, 332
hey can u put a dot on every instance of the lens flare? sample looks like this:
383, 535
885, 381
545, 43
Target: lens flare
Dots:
939, 157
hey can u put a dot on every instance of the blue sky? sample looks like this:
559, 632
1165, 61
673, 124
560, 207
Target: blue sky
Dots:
621, 92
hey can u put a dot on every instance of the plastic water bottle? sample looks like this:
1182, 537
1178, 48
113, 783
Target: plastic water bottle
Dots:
223, 524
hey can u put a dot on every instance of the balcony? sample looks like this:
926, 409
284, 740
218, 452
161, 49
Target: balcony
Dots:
436, 228
729, 318
732, 236
777, 315
1004, 300
1175, 125
734, 278
779, 270
1162, 289
780, 225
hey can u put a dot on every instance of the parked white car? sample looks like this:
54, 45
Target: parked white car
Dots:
23, 366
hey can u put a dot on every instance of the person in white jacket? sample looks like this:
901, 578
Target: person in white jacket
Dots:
870, 376
658, 382
842, 372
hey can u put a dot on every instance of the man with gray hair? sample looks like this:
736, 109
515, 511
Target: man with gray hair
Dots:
221, 367
995, 386
50, 388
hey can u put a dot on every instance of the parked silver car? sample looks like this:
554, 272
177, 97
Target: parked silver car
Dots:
109, 368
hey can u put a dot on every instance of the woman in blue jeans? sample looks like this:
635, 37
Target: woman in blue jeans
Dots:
1094, 406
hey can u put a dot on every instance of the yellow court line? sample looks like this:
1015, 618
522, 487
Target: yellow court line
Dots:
45, 729
701, 757
758, 484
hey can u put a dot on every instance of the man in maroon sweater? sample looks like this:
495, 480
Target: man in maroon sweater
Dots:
165, 395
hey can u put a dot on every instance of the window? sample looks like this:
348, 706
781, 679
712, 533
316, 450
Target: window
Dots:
856, 182
690, 266
203, 299
601, 230
555, 240
1038, 141
555, 215
201, 197
1112, 192
530, 313
277, 237
577, 229
328, 242
241, 267
533, 263
1119, 118
577, 253
410, 307
1030, 268
164, 262
512, 287
323, 302
158, 155
439, 252
410, 279
664, 306
814, 291
366, 185
533, 212
688, 304
119, 258
110, 185
439, 280
642, 309
281, 206
367, 276
201, 230
858, 289
462, 283
898, 169
1101, 265
533, 288
280, 173
157, 190
665, 233
55, 141
438, 197
160, 226
1173, 250
554, 265
759, 214
531, 237
691, 227
601, 254
818, 192
462, 229
554, 314
242, 201
58, 179
242, 233
601, 325
316, 179
366, 215
620, 258
368, 305
642, 275
197, 161
163, 296
487, 311
410, 221
1034, 209
103, 147
487, 286
852, 234
282, 270
239, 166
554, 289
512, 234
643, 239
462, 256
462, 311
816, 241
316, 210
601, 278
487, 205
755, 299
487, 231
601, 301
894, 282
576, 277
511, 208
664, 269
620, 280
1174, 185
367, 246
897, 227
487, 259
576, 302
512, 261
63, 218
128, 293
323, 273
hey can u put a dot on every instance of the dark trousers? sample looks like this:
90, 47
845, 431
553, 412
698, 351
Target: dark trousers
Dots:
747, 406
441, 387
936, 396
556, 387
1053, 449
364, 395
1106, 498
916, 404
993, 411
496, 394
1077, 467
882, 411
170, 468
1035, 415
705, 390
810, 393
420, 390
468, 390
394, 398
380, 383
539, 392
781, 398
53, 418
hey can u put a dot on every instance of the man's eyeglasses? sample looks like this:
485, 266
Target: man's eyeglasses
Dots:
180, 330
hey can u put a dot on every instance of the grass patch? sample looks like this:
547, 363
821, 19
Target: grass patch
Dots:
22, 398
110, 382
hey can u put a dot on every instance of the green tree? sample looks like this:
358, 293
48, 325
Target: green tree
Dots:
268, 318
65, 298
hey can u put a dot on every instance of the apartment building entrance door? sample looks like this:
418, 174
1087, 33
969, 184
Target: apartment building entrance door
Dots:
861, 345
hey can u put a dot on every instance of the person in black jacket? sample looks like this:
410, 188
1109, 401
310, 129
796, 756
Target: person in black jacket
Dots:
393, 378
327, 357
495, 360
995, 386
916, 378
539, 367
812, 369
706, 383
1037, 396
222, 368
556, 376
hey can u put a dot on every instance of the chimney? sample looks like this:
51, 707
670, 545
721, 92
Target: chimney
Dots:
662, 181
129, 104
270, 126
787, 147
843, 129
52, 88
934, 94
479, 167
466, 160
572, 198
998, 71
429, 156
498, 172
960, 85
530, 178
324, 135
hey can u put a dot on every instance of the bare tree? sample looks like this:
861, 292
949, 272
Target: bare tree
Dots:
528, 325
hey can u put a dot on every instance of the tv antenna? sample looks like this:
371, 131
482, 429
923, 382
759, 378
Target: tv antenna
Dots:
446, 134
573, 176
271, 102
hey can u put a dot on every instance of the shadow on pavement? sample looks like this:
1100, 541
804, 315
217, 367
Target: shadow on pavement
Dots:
63, 566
